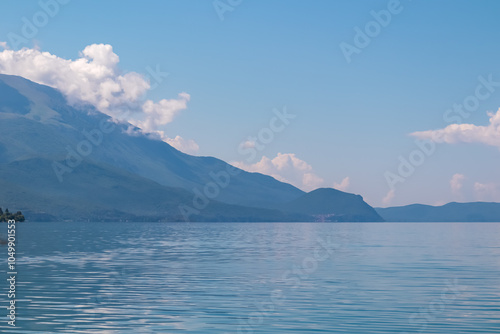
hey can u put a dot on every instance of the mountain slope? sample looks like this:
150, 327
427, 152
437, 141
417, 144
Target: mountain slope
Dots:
332, 205
61, 162
94, 192
36, 121
451, 212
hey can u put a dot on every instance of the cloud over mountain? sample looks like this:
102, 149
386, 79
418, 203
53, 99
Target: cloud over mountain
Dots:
96, 79
286, 167
487, 191
343, 185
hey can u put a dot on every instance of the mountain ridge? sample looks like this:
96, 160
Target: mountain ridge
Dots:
328, 204
450, 212
64, 162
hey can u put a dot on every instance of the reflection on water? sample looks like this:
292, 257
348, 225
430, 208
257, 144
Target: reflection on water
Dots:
256, 278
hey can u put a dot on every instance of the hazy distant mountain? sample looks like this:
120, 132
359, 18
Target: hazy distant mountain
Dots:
62, 162
451, 212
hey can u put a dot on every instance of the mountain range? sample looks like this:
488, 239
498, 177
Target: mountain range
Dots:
451, 212
64, 162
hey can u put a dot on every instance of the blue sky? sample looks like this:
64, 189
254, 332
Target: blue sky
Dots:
352, 119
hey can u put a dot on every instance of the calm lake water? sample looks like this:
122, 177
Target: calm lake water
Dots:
256, 278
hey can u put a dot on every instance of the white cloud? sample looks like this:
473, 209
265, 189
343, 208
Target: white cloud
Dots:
466, 133
387, 200
187, 146
163, 112
248, 144
343, 185
456, 184
96, 79
311, 181
4, 45
487, 192
286, 168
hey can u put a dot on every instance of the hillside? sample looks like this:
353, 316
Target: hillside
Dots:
451, 212
37, 122
332, 205
61, 162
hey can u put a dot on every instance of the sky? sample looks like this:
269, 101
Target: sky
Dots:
393, 100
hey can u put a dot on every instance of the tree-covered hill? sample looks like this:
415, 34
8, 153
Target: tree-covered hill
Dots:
6, 216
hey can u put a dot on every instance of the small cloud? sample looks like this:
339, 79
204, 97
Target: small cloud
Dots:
4, 45
387, 200
311, 181
187, 146
286, 168
456, 184
158, 114
248, 144
486, 191
343, 185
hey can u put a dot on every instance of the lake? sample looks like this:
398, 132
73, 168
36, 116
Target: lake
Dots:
256, 278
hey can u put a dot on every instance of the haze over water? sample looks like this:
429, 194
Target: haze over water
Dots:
257, 278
